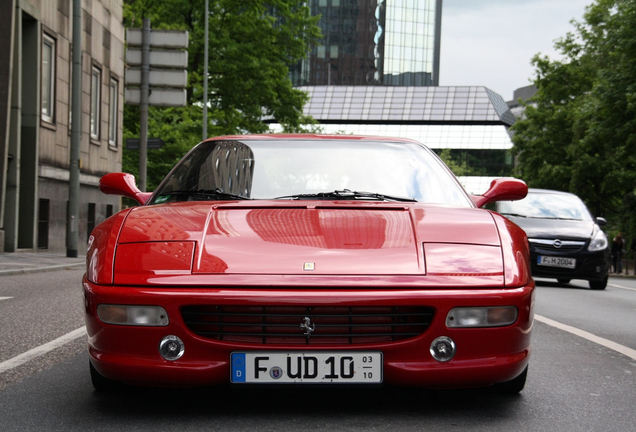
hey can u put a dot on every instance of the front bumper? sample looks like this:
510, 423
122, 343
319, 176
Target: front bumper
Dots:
484, 356
589, 265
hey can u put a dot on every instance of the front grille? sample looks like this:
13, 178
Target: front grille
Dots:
554, 245
289, 324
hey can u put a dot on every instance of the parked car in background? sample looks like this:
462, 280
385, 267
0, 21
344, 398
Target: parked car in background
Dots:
303, 259
566, 242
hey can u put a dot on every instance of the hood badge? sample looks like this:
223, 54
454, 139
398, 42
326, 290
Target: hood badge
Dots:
309, 266
308, 326
557, 243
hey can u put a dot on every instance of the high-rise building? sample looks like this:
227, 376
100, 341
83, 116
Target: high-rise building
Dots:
374, 42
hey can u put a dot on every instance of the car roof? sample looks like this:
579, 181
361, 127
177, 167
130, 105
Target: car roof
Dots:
292, 137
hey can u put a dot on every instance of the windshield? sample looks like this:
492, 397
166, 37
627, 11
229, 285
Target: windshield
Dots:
546, 206
298, 169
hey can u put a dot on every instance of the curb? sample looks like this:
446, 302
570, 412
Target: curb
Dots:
41, 269
622, 276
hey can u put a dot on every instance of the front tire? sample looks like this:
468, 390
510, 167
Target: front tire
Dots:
513, 386
598, 284
100, 382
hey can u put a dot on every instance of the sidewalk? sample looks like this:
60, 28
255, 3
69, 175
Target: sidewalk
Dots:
29, 262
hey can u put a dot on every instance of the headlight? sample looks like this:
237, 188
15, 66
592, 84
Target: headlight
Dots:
133, 315
599, 240
495, 316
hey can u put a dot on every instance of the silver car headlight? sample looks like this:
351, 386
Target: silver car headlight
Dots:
599, 240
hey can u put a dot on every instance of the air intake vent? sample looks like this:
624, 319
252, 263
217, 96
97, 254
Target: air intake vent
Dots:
302, 325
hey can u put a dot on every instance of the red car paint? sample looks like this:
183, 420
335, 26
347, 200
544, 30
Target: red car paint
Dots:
363, 253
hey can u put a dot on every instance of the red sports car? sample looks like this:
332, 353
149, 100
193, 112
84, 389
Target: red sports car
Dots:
309, 259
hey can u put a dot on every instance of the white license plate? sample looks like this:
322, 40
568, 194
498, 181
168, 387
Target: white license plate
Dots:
306, 367
551, 261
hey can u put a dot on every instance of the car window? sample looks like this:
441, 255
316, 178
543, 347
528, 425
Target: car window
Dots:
267, 169
546, 205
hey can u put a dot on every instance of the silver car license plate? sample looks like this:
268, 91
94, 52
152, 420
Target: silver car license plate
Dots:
306, 367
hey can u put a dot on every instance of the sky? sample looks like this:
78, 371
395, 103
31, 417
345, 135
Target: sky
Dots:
491, 42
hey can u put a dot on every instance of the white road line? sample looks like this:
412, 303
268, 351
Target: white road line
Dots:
5, 298
613, 285
41, 350
631, 353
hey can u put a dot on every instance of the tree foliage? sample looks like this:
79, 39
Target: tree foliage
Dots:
252, 44
579, 130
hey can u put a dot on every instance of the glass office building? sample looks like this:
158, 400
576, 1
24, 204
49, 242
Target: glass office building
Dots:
374, 42
470, 122
376, 72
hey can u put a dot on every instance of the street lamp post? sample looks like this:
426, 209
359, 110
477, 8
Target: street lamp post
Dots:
72, 220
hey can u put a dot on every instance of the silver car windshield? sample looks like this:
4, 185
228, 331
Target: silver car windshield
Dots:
308, 169
546, 205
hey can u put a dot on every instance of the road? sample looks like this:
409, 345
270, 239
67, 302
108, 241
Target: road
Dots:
574, 383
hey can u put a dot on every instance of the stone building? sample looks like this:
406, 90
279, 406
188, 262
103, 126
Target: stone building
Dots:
35, 95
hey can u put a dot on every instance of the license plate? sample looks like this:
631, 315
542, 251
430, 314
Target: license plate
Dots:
306, 367
551, 261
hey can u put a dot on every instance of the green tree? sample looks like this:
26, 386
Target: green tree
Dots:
252, 44
458, 167
579, 130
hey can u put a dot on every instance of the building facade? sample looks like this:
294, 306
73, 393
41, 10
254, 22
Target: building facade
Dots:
35, 107
520, 97
471, 122
374, 42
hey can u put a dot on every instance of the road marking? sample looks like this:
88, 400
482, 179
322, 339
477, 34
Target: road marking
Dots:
5, 298
41, 350
613, 285
631, 353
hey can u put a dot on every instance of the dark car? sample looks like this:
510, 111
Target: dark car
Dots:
566, 242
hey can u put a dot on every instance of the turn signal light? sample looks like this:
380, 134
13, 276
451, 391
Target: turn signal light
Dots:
133, 315
495, 316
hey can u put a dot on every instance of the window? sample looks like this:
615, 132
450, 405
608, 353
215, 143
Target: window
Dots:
48, 78
70, 88
96, 101
90, 220
43, 224
113, 110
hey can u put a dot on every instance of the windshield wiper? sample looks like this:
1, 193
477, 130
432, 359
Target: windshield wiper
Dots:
214, 194
346, 194
514, 214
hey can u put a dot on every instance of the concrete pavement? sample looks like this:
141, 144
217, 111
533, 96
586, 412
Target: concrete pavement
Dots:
29, 262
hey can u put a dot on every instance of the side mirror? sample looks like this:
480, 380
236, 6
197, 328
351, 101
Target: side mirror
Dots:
123, 184
502, 189
601, 221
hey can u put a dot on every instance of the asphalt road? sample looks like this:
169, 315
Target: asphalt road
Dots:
574, 384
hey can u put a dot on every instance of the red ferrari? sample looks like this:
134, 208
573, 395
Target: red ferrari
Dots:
306, 259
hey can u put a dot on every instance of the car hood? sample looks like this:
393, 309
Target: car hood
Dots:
302, 238
554, 228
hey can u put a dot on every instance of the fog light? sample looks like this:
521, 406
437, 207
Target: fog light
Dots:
171, 348
442, 349
133, 315
495, 316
